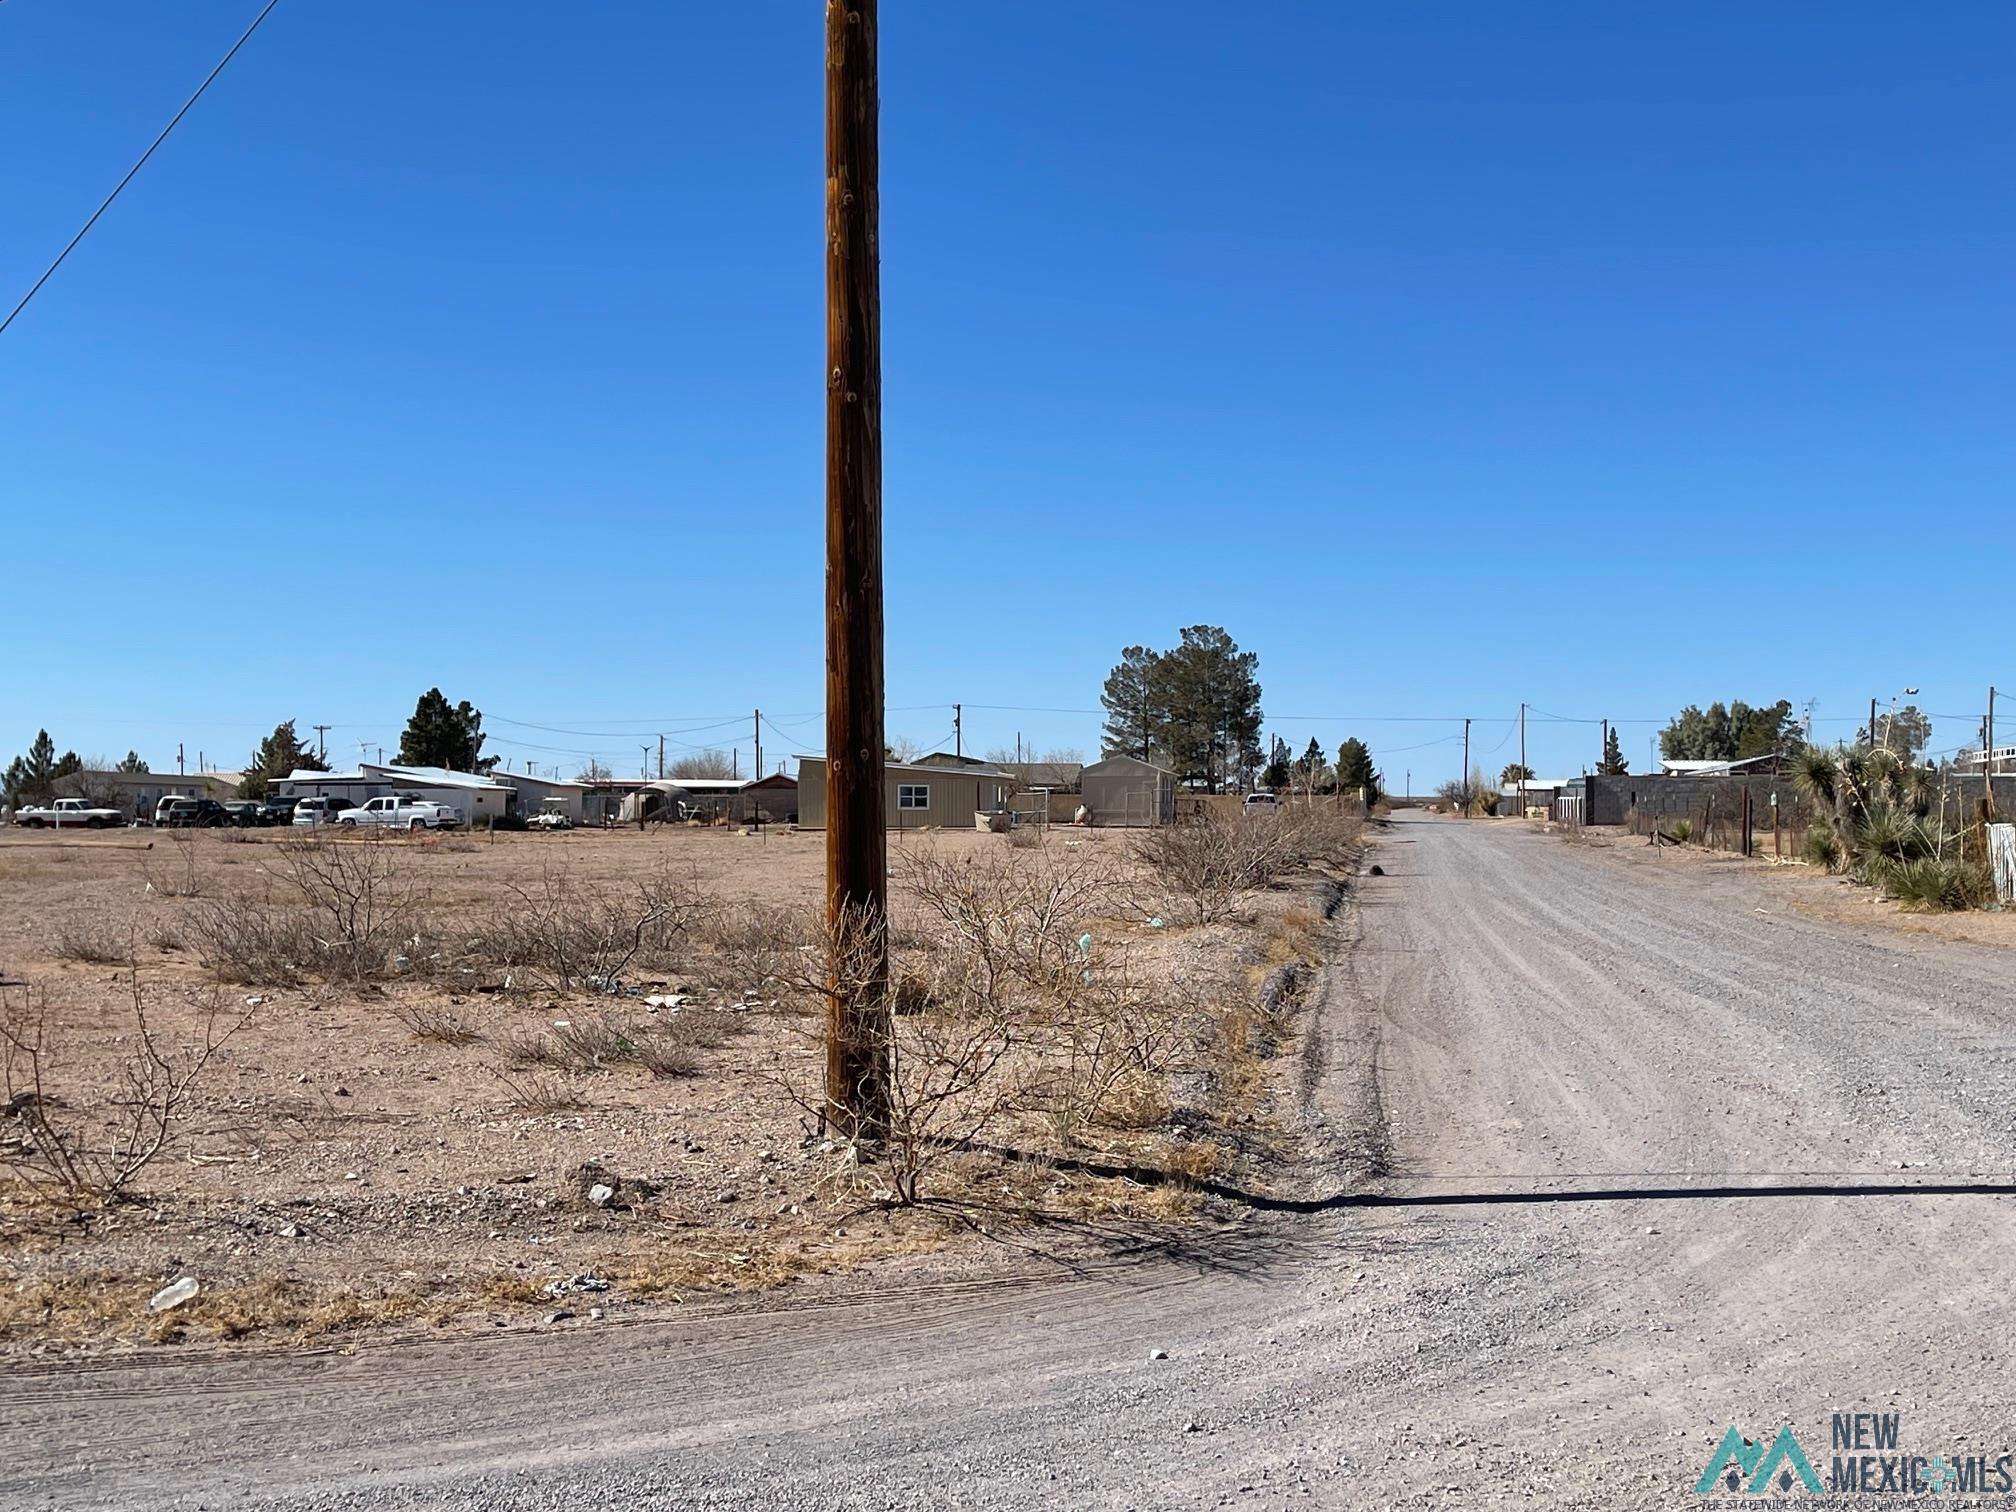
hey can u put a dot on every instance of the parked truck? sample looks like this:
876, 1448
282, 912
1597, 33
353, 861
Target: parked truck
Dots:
401, 811
70, 812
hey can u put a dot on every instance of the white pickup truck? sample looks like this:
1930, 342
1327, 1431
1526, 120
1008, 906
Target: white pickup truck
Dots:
401, 811
70, 811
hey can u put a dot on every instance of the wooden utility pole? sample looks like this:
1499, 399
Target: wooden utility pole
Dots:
857, 843
661, 758
1468, 796
958, 734
757, 774
1522, 750
1872, 724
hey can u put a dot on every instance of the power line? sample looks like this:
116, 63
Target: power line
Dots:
48, 272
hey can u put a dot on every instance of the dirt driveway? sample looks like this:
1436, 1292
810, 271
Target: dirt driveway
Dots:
1520, 1021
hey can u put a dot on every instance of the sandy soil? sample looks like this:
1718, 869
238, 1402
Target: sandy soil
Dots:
335, 1171
1618, 1156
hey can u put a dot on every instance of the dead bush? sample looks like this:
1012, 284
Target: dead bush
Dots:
436, 1025
541, 1092
1014, 919
256, 944
667, 1060
172, 871
92, 942
82, 1156
763, 952
567, 936
1212, 865
360, 900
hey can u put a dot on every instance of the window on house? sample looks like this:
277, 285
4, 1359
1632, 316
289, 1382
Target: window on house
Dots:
913, 795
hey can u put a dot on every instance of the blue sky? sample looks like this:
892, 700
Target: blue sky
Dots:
1604, 357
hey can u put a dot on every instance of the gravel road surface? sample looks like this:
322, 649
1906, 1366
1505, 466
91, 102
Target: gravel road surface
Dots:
1519, 1021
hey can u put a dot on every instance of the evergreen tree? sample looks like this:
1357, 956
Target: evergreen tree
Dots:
1355, 772
1134, 713
441, 734
32, 778
278, 754
1196, 707
1275, 777
1613, 763
133, 765
1310, 767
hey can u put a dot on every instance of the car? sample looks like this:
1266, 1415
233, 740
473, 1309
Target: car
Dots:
1260, 803
320, 809
552, 815
190, 813
245, 812
401, 811
71, 812
277, 811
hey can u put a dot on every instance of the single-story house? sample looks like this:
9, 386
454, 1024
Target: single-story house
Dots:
1125, 791
915, 796
138, 792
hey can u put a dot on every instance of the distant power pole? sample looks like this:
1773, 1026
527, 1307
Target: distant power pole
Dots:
858, 1024
1988, 750
958, 736
1604, 751
661, 758
322, 743
756, 772
181, 767
1522, 739
1468, 796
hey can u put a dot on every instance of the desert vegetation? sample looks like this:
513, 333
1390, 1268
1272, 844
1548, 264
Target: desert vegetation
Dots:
318, 1055
1882, 819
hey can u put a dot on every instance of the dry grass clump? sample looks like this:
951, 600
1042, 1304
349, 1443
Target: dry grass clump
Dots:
92, 942
434, 1024
541, 1091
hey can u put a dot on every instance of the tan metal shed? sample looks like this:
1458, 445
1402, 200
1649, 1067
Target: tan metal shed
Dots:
1127, 792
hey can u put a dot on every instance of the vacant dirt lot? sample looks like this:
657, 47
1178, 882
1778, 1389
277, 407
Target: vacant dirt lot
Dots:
544, 1080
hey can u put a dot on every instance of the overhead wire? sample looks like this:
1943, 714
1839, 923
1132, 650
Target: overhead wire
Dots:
141, 162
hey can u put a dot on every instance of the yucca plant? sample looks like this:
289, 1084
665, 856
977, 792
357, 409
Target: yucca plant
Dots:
1930, 883
1823, 846
1682, 831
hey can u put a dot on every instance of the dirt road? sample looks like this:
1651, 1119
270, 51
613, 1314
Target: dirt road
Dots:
1521, 1019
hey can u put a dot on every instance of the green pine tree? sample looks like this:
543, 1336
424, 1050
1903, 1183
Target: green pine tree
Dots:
1355, 772
1613, 763
441, 734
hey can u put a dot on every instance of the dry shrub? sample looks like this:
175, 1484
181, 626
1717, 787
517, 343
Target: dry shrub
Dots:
254, 944
762, 951
1212, 865
344, 907
433, 1024
80, 1151
92, 942
566, 935
541, 1091
1012, 918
